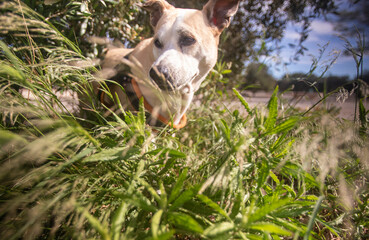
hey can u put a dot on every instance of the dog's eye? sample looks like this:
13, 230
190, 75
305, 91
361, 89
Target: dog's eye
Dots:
187, 41
158, 44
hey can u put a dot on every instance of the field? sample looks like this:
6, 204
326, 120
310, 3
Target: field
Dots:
270, 170
304, 101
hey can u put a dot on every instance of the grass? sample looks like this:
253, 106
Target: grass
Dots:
266, 174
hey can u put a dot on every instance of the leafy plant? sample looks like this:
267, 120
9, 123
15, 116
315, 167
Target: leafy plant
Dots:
250, 173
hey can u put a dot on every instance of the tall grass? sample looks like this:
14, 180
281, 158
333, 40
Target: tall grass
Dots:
265, 174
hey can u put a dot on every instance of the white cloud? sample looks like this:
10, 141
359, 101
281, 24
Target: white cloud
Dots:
318, 28
322, 28
292, 35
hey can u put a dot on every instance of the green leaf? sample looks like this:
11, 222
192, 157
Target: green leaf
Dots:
284, 126
290, 190
163, 236
166, 235
16, 72
95, 223
151, 190
273, 111
218, 229
226, 132
178, 186
175, 154
333, 230
264, 170
163, 152
267, 209
313, 217
184, 197
254, 237
236, 206
270, 228
185, 222
140, 201
163, 196
141, 113
9, 137
168, 166
213, 205
274, 177
227, 71
11, 73
242, 100
118, 220
155, 223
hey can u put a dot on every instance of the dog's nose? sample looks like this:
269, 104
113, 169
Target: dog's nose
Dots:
162, 78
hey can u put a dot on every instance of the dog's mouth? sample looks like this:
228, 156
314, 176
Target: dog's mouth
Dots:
164, 80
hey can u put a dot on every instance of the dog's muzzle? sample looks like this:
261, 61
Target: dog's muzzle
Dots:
162, 77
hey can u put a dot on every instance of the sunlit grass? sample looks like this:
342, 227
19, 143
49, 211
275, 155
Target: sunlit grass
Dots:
265, 174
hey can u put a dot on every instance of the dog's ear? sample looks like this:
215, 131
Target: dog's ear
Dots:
156, 9
219, 12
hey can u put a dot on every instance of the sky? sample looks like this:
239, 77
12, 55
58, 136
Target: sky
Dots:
322, 35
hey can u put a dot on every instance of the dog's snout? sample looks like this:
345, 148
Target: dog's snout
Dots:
161, 76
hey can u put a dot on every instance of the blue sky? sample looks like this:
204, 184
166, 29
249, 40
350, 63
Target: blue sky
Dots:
321, 33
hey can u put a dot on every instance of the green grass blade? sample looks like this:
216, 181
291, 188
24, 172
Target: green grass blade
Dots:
184, 197
284, 126
155, 223
141, 113
270, 228
213, 205
163, 236
242, 100
218, 229
313, 217
273, 111
151, 190
95, 223
178, 186
7, 137
113, 154
185, 222
164, 152
118, 220
16, 72
267, 209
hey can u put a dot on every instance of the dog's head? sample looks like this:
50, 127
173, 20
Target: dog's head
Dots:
185, 43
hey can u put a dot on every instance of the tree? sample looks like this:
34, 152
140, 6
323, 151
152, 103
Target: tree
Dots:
258, 77
93, 23
126, 22
301, 82
352, 19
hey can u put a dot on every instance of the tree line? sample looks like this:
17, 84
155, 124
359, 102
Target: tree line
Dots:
125, 23
93, 24
258, 78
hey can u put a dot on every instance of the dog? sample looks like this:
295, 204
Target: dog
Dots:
167, 69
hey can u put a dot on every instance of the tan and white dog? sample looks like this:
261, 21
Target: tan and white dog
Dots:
168, 68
